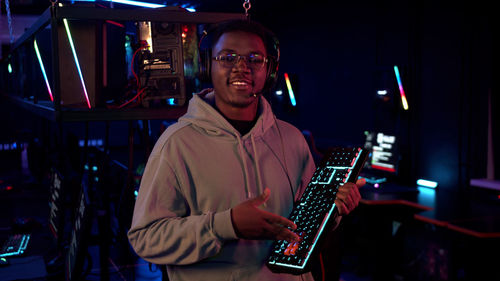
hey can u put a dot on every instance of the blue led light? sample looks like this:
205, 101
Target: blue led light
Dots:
138, 3
427, 183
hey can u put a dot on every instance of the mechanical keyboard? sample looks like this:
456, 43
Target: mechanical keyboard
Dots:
15, 245
316, 211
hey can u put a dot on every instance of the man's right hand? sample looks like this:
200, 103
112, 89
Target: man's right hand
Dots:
250, 222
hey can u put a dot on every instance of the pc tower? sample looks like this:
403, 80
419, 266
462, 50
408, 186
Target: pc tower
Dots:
162, 61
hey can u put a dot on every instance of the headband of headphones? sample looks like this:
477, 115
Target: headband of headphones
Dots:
210, 38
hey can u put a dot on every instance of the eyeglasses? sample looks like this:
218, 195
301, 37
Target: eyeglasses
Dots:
253, 61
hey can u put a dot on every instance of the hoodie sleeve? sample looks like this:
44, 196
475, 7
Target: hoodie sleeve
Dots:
163, 231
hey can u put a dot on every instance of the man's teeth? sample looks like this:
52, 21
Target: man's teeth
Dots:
239, 83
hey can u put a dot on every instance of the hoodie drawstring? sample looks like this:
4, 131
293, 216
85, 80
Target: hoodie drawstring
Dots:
257, 166
245, 173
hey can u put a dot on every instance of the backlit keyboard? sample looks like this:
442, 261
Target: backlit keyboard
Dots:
316, 209
15, 245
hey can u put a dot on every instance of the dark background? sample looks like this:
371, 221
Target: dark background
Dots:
339, 53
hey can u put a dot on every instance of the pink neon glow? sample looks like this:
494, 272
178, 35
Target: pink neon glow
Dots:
115, 23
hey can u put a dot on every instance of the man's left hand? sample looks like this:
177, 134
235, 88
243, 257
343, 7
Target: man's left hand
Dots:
348, 196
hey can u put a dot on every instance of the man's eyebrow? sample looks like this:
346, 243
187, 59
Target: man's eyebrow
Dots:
226, 51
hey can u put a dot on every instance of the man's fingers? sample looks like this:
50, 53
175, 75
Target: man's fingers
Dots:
280, 232
279, 220
280, 227
286, 234
360, 182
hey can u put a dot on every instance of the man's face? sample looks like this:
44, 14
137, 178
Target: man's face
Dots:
236, 85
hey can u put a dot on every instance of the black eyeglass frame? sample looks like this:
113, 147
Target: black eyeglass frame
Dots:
223, 60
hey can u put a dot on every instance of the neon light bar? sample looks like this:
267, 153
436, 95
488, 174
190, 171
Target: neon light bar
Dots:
401, 90
138, 3
70, 39
427, 183
290, 90
141, 4
9, 68
115, 23
42, 67
384, 168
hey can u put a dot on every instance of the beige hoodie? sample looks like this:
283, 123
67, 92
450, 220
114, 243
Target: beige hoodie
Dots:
198, 170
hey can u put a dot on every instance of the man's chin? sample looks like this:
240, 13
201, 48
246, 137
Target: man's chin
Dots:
243, 104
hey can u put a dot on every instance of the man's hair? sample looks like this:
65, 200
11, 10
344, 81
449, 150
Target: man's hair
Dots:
267, 36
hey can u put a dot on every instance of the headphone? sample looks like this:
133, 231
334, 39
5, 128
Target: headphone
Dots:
271, 43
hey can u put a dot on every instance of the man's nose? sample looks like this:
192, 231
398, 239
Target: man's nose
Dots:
241, 62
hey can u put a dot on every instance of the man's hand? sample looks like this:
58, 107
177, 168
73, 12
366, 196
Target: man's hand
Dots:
250, 222
348, 196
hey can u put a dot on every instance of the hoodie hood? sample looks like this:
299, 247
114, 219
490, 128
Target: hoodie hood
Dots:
202, 113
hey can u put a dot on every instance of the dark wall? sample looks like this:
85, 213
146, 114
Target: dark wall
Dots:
337, 52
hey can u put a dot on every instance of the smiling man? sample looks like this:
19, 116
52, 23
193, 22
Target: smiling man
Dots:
220, 183
239, 74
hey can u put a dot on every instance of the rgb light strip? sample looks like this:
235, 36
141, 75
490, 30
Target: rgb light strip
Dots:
401, 90
70, 39
290, 90
42, 67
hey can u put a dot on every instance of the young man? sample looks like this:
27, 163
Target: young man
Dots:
220, 182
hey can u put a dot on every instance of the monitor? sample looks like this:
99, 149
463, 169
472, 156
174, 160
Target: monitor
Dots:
383, 162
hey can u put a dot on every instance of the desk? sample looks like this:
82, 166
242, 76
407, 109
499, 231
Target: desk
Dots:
467, 213
445, 235
375, 233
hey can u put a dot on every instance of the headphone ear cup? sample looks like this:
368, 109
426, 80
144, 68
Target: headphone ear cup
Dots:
272, 74
205, 65
273, 48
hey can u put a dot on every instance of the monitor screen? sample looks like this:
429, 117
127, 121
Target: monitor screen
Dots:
384, 154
